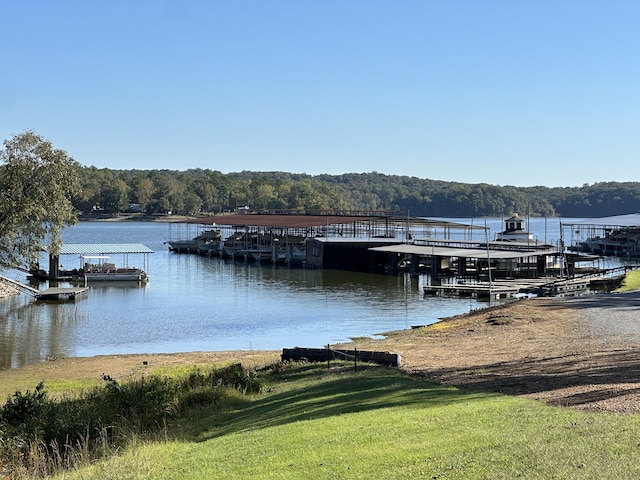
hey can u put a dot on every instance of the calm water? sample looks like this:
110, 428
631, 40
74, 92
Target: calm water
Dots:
202, 304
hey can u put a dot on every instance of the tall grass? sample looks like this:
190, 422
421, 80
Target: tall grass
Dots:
39, 435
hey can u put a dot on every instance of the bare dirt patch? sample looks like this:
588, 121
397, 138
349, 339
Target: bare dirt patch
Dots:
546, 349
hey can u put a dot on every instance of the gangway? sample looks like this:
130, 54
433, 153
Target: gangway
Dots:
52, 293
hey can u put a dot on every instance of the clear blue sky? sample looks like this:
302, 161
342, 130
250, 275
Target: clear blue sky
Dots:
507, 92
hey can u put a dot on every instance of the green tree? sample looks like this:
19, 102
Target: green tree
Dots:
144, 189
88, 195
168, 194
37, 182
114, 196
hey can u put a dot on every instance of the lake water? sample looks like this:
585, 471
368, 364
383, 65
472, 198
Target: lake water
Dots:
194, 303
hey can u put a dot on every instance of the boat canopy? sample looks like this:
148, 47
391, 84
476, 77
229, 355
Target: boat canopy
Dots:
629, 220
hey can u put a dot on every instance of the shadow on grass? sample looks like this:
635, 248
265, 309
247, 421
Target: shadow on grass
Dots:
597, 373
325, 393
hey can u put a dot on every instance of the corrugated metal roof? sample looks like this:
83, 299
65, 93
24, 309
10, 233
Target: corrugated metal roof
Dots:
460, 252
628, 220
103, 248
359, 240
306, 221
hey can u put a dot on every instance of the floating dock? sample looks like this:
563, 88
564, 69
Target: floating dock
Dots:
56, 293
506, 288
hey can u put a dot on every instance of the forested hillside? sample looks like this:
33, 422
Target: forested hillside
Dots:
196, 191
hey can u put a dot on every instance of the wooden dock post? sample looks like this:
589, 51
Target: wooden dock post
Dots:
328, 357
355, 359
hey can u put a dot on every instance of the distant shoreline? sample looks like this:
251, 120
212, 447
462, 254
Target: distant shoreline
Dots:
135, 217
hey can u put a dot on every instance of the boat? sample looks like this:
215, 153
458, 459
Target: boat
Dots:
619, 242
515, 231
209, 240
237, 244
617, 235
291, 250
286, 249
98, 268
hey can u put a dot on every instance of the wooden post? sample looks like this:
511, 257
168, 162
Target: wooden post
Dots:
54, 267
355, 359
328, 364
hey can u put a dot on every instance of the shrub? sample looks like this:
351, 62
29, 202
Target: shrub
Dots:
40, 435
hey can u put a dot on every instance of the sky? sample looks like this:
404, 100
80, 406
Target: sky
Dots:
505, 92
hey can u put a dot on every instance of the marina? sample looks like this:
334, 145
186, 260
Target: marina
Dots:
202, 303
514, 264
388, 244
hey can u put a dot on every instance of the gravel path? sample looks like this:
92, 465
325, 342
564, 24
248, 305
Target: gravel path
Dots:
613, 318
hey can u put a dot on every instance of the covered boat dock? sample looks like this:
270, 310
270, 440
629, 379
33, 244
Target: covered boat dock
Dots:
465, 259
316, 239
617, 235
84, 249
276, 237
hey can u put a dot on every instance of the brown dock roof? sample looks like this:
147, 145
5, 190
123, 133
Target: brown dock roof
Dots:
304, 221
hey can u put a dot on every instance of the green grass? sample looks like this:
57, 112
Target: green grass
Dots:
314, 423
631, 281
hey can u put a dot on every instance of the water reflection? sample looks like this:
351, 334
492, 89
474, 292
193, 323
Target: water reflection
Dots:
32, 331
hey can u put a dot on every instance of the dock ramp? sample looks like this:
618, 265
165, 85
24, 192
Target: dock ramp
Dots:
52, 293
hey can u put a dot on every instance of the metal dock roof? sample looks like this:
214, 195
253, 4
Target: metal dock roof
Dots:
461, 252
103, 248
306, 221
628, 220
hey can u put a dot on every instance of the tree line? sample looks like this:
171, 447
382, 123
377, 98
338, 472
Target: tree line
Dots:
198, 191
43, 190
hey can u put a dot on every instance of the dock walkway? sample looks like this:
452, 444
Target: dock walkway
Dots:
510, 287
52, 293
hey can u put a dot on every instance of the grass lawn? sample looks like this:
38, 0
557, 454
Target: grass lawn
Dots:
378, 423
631, 281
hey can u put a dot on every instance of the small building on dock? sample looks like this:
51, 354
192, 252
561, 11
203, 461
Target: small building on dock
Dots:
346, 253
